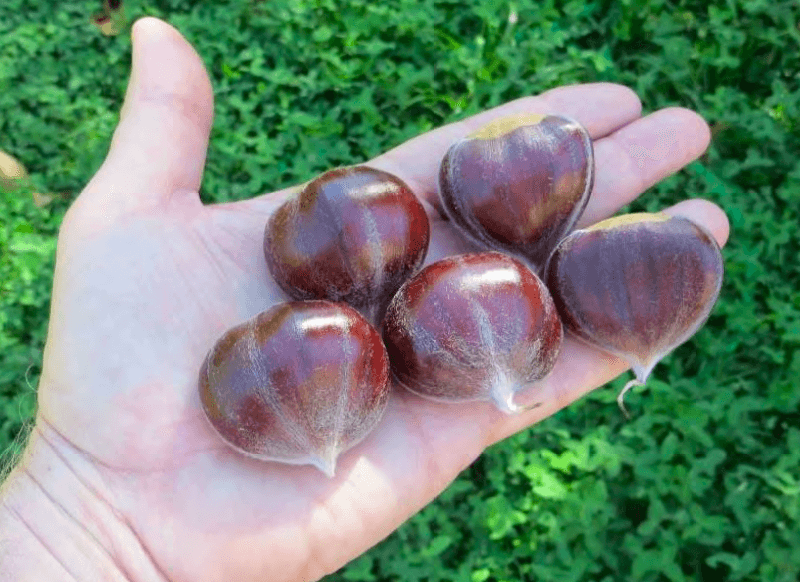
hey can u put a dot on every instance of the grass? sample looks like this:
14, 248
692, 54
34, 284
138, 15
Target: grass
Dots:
704, 483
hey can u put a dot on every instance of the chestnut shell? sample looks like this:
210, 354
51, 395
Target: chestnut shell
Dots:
472, 327
298, 383
636, 285
352, 234
519, 184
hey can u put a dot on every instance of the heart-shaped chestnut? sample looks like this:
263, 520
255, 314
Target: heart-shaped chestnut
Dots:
636, 285
352, 234
472, 327
519, 184
298, 383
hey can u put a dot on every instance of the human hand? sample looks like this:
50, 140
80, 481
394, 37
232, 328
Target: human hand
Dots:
147, 279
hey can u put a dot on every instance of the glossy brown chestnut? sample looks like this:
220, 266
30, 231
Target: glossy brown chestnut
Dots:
637, 285
352, 234
298, 384
519, 184
472, 327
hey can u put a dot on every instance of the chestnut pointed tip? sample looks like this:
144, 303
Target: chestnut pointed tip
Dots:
642, 370
621, 396
326, 463
502, 396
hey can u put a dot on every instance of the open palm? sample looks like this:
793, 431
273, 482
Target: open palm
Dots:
148, 278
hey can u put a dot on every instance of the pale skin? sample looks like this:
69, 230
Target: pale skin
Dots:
123, 479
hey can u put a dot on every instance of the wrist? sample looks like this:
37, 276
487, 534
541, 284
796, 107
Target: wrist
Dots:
58, 523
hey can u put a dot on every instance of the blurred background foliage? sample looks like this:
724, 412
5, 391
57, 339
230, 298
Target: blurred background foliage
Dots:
704, 482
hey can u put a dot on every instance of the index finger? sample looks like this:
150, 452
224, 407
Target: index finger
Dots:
600, 107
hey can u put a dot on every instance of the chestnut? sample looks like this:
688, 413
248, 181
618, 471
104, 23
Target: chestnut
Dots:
636, 285
352, 234
298, 383
478, 326
519, 184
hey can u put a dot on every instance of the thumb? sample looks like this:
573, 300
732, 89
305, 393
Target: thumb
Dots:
159, 147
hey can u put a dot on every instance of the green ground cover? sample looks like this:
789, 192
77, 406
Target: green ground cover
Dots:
704, 482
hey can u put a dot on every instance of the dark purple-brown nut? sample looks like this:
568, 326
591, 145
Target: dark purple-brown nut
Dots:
352, 234
472, 327
636, 285
519, 184
299, 383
